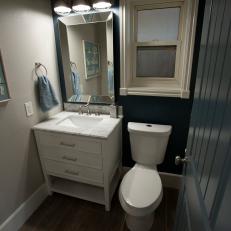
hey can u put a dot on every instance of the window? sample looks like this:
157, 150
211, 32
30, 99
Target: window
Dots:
157, 39
155, 61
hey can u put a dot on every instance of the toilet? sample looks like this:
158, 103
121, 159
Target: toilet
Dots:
141, 190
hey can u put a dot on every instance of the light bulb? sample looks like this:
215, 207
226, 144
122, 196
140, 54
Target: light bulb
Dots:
101, 5
80, 8
62, 8
81, 5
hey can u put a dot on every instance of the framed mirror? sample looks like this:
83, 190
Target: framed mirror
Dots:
86, 44
4, 89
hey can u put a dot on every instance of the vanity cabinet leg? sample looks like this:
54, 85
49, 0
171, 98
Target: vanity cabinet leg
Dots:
50, 193
107, 198
108, 207
48, 183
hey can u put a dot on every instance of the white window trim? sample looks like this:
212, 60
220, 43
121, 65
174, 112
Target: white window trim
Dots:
175, 87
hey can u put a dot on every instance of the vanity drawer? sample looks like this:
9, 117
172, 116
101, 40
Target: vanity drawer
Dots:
70, 142
72, 157
89, 146
58, 140
74, 171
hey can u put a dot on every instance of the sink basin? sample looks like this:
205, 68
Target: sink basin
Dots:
84, 122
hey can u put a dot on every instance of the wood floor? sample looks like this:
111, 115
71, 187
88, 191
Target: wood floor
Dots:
63, 213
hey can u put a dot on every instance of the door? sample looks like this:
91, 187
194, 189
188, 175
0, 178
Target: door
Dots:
205, 198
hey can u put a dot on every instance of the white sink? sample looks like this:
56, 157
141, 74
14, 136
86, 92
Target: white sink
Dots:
83, 122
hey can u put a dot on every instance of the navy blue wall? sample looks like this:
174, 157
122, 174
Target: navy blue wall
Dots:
161, 110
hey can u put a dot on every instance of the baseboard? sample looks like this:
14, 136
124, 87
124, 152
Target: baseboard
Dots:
169, 180
25, 210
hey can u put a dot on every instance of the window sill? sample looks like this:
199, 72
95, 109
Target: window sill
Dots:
144, 91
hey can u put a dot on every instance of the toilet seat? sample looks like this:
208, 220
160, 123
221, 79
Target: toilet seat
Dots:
141, 190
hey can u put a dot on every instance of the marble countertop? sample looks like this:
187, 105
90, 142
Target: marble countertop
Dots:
101, 130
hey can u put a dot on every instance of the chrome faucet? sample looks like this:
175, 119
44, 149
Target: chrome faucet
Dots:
85, 106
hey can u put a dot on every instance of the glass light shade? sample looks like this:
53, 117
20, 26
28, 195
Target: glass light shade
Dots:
81, 5
62, 8
81, 8
101, 5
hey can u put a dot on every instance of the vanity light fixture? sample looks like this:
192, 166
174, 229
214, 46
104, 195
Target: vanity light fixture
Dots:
101, 4
81, 6
62, 8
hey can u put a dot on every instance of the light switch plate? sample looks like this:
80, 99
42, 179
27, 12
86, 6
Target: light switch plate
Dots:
29, 108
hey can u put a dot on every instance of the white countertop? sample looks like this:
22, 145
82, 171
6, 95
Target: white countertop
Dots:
102, 130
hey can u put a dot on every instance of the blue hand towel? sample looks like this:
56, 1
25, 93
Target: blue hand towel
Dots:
75, 83
47, 98
110, 81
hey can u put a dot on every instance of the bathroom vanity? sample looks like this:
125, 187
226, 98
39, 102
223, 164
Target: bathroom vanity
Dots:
81, 155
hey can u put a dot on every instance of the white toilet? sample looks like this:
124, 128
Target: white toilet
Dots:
141, 191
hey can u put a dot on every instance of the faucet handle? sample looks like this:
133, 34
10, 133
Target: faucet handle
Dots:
81, 109
88, 110
89, 100
97, 112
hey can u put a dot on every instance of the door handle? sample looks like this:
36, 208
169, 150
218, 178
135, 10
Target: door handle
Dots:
179, 160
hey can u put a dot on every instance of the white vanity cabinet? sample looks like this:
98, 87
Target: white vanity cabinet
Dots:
81, 166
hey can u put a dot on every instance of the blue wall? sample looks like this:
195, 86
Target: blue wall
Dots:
158, 110
161, 110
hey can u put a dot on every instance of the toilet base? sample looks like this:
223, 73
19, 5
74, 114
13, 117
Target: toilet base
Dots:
135, 223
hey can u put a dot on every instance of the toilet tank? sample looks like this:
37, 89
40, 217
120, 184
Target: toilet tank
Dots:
148, 142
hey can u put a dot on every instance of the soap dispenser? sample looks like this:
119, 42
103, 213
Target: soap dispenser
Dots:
113, 111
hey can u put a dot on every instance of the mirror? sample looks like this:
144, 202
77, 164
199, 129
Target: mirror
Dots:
86, 43
4, 89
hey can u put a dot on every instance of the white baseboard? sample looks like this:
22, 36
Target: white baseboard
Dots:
25, 210
169, 180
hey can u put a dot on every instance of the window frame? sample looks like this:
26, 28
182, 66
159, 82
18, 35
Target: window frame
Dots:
179, 85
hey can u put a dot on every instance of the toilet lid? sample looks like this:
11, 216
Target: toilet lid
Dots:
141, 187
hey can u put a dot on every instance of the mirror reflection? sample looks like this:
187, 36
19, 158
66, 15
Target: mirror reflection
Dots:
87, 57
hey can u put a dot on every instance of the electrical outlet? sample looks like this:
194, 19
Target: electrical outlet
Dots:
29, 108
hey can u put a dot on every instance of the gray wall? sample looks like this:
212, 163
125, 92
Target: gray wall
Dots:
26, 37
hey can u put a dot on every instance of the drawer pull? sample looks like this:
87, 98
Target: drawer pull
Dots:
69, 158
67, 145
71, 172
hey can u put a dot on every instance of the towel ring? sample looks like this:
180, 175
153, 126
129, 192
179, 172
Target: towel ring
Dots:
73, 64
37, 66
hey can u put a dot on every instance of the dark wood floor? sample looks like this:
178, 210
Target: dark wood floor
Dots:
63, 213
